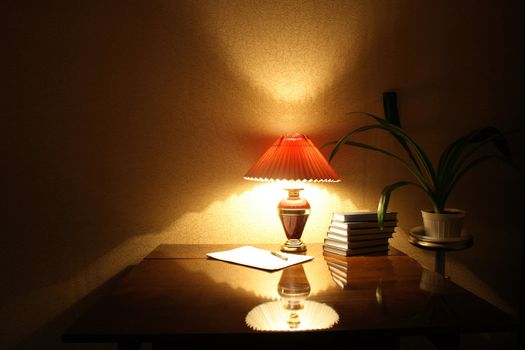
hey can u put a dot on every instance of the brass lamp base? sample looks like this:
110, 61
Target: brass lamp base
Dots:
293, 246
293, 212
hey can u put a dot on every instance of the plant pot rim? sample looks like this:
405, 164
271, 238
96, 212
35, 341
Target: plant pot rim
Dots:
447, 211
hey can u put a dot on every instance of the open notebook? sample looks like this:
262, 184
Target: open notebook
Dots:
259, 258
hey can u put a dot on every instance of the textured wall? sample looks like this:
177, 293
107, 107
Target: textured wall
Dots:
129, 124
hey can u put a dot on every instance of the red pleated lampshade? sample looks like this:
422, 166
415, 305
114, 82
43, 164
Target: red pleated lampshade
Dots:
293, 158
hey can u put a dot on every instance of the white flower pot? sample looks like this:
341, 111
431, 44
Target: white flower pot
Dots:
443, 225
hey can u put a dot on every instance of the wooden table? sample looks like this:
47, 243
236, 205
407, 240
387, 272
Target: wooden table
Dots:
177, 295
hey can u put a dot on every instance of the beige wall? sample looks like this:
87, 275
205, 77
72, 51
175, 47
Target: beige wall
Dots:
129, 124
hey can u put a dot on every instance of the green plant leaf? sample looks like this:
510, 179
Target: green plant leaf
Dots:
414, 171
375, 117
455, 161
400, 139
451, 160
497, 138
499, 142
458, 175
384, 199
426, 172
447, 153
343, 139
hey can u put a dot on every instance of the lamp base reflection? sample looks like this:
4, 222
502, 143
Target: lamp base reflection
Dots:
294, 320
292, 312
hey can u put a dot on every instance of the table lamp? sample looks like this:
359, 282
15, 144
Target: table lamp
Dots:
292, 159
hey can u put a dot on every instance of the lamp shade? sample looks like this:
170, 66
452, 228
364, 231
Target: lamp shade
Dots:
293, 158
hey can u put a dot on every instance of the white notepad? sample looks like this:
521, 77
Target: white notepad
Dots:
259, 258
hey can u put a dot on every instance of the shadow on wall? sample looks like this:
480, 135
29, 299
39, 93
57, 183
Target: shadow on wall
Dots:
117, 120
451, 76
102, 135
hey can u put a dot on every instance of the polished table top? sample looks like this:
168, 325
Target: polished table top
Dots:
177, 291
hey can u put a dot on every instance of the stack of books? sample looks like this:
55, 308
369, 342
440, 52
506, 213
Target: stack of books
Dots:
356, 233
339, 270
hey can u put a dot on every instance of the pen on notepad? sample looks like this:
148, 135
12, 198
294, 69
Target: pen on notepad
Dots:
279, 255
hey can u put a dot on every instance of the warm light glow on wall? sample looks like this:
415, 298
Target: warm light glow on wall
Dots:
288, 86
290, 49
251, 216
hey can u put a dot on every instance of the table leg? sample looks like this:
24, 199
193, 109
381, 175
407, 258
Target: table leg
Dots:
439, 265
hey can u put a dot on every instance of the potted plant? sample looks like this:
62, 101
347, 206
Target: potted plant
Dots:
437, 181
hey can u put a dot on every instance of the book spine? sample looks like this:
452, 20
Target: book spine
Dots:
362, 237
362, 225
355, 244
370, 217
349, 231
335, 251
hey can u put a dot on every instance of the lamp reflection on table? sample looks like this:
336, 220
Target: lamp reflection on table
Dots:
292, 312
